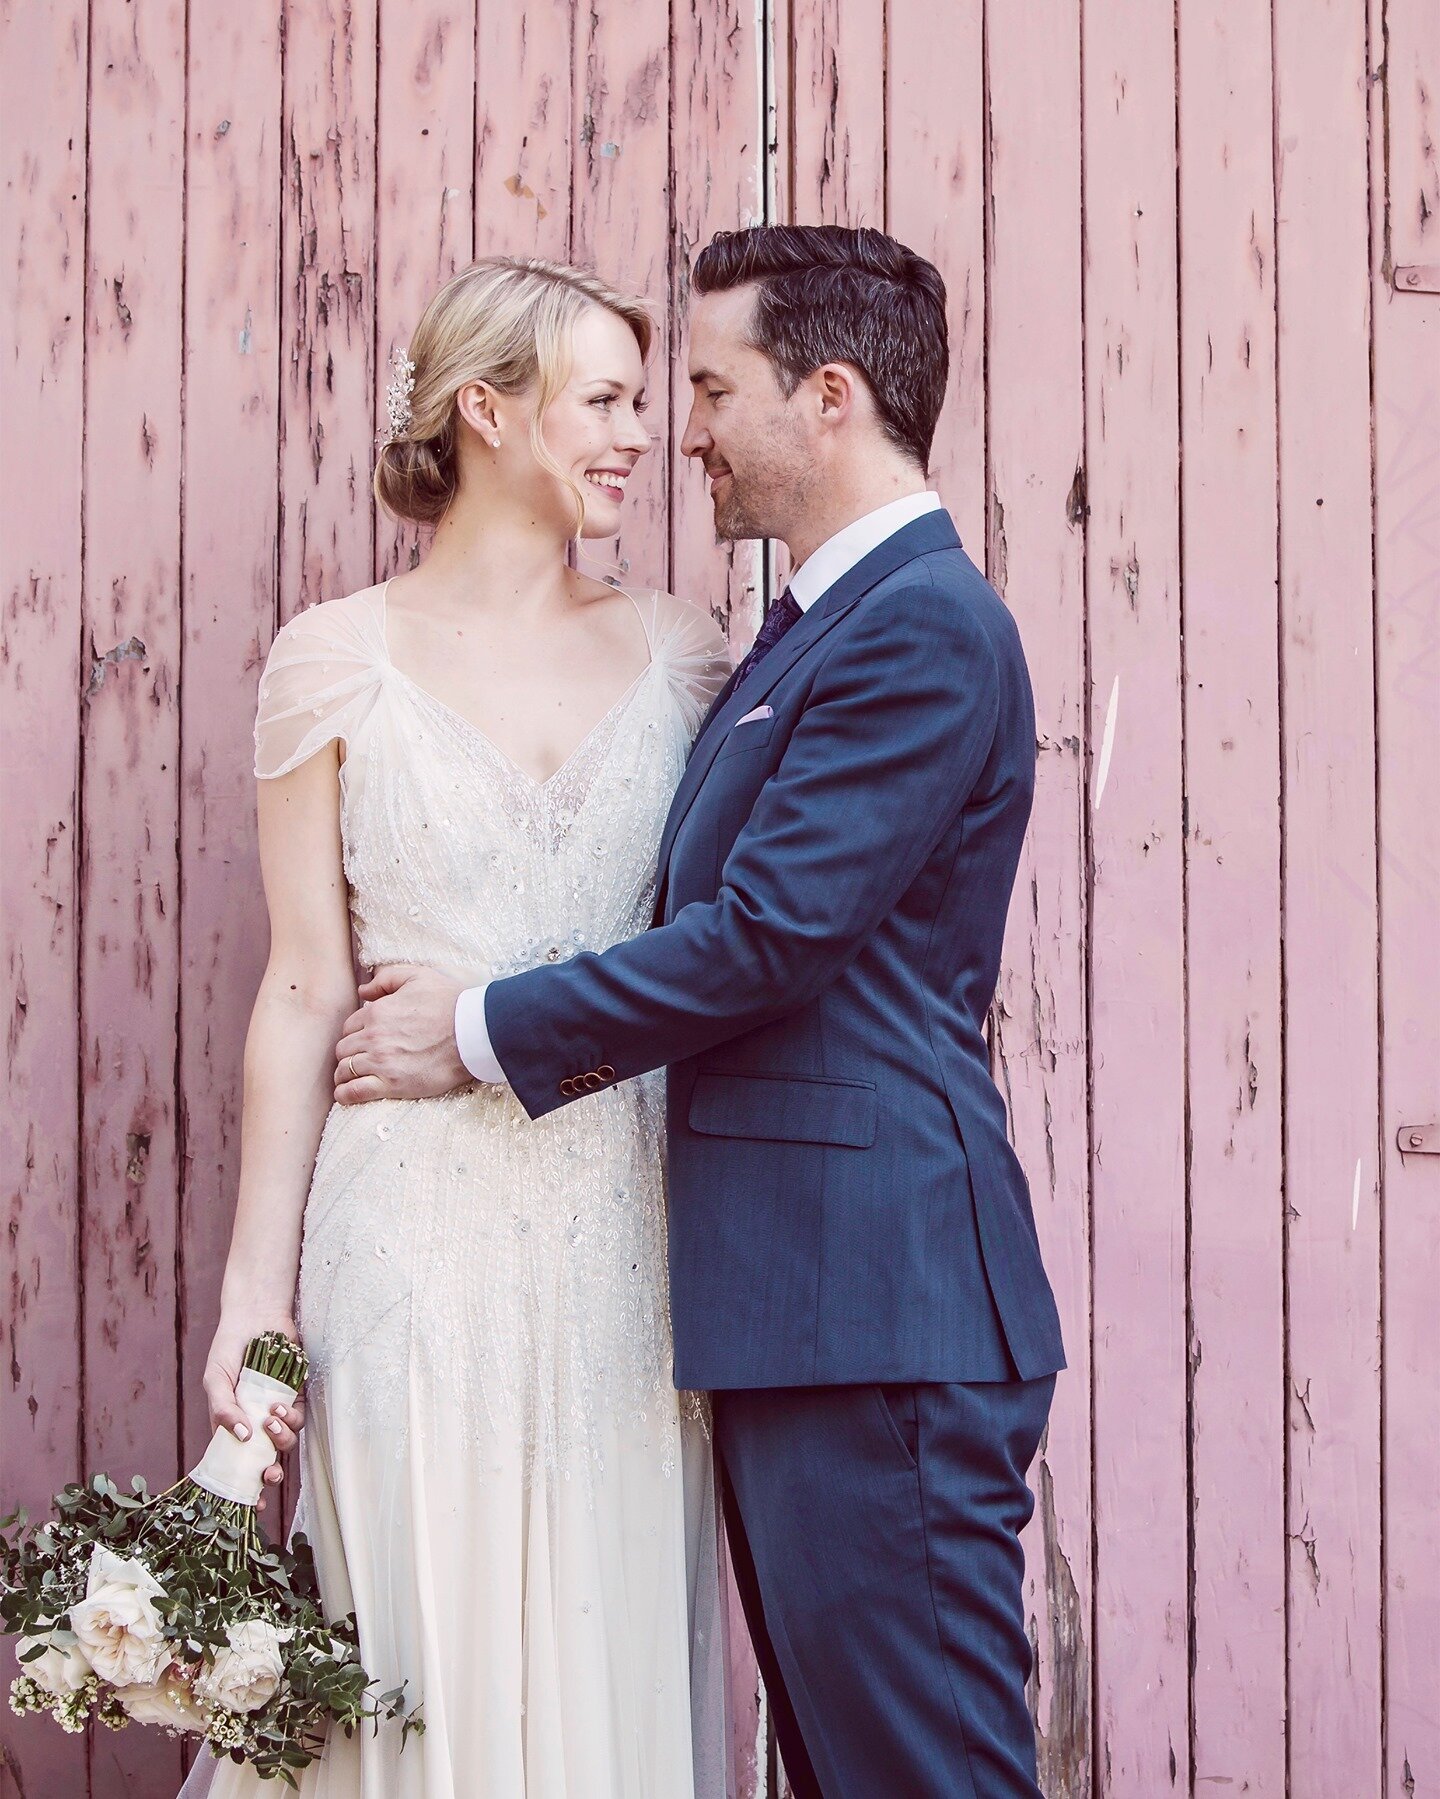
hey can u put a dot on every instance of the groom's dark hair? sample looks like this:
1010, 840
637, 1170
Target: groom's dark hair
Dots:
830, 293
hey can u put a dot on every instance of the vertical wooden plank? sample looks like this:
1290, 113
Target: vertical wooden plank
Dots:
1037, 560
424, 227
1331, 1169
523, 114
831, 125
621, 227
836, 134
935, 203
1137, 1019
43, 96
232, 349
327, 301
717, 183
1407, 675
1232, 784
130, 738
1410, 33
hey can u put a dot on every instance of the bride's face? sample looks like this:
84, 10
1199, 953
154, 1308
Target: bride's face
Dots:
594, 426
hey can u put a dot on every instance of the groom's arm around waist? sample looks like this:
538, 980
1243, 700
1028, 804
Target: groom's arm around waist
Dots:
900, 724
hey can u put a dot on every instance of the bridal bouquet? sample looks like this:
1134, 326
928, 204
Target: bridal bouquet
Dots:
175, 1611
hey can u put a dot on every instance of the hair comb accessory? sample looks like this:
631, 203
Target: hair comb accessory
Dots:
397, 397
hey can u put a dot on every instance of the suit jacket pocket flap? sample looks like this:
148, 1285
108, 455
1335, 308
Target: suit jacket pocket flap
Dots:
784, 1108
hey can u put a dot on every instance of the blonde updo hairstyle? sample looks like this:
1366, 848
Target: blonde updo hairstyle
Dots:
506, 321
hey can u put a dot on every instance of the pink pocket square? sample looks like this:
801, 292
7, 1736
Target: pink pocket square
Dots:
750, 717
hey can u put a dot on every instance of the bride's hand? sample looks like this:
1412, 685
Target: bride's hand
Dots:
222, 1371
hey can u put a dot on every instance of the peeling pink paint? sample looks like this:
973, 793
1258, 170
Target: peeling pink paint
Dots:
1172, 245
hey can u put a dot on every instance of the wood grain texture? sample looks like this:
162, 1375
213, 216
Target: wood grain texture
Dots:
716, 178
524, 118
935, 122
425, 203
130, 878
1035, 356
717, 184
620, 225
1332, 1098
1232, 864
1137, 1017
327, 301
43, 99
1409, 32
1174, 239
834, 130
231, 517
1407, 677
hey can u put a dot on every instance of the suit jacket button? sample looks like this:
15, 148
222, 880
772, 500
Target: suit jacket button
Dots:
606, 1072
567, 1087
592, 1081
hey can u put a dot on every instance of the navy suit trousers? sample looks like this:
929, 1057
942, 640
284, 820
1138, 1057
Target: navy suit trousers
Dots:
875, 1536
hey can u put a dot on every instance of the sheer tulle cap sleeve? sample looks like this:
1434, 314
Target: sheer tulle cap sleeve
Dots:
319, 682
693, 650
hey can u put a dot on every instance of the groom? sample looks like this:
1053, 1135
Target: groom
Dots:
854, 1268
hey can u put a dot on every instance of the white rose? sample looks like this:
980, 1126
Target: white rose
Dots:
245, 1676
117, 1625
169, 1702
61, 1670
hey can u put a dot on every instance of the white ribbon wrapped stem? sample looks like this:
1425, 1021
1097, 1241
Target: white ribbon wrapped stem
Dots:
234, 1470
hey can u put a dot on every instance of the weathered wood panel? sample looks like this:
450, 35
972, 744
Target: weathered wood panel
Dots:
1035, 359
1407, 35
717, 183
231, 518
834, 124
129, 805
1232, 826
1169, 265
425, 212
524, 117
1331, 1074
1137, 1019
327, 301
43, 98
620, 223
1406, 401
935, 120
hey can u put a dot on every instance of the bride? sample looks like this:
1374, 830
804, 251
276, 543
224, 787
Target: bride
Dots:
468, 767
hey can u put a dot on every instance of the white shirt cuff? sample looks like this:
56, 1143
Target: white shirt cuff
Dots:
472, 1037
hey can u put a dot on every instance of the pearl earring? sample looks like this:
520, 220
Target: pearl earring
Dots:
496, 442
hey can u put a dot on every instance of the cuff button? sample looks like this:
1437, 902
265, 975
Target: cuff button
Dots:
606, 1072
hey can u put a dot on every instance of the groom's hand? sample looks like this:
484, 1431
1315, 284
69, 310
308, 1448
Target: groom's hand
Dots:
401, 1043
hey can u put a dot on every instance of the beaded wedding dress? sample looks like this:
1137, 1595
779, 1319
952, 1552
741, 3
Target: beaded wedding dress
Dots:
497, 1475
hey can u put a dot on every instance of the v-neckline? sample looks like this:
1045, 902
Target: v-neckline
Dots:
482, 735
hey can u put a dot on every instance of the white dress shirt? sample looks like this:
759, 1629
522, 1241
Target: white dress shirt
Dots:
816, 575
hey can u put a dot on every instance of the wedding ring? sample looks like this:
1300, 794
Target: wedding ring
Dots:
352, 1074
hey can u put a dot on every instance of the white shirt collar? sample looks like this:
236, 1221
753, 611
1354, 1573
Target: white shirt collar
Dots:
823, 567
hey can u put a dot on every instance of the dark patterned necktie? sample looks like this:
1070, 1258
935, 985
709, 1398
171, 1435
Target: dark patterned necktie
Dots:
778, 620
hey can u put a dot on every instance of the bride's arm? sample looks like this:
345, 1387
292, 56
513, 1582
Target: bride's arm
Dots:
306, 992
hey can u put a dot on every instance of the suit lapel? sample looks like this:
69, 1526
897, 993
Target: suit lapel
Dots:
931, 531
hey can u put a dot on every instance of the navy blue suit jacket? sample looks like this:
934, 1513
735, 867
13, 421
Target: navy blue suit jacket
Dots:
844, 1203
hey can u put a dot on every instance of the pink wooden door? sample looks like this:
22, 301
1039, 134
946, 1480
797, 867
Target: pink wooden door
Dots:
1192, 434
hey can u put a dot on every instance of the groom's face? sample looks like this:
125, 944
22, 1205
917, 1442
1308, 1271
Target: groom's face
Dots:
742, 428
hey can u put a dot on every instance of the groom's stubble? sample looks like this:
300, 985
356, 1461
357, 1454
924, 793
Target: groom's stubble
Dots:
771, 483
